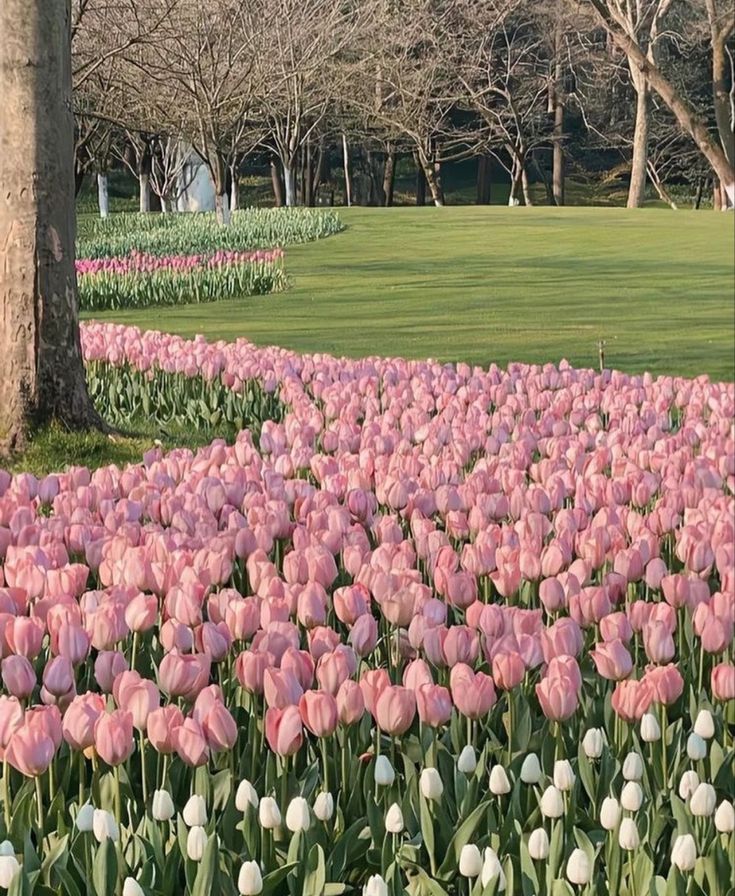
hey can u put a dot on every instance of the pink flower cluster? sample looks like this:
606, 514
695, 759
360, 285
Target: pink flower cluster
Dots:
142, 263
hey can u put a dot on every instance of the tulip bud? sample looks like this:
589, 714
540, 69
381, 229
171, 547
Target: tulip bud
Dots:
578, 868
696, 747
375, 886
704, 726
703, 800
684, 852
631, 796
196, 843
324, 806
609, 813
195, 811
470, 861
104, 826
249, 881
563, 775
531, 769
650, 728
7, 848
85, 818
269, 814
384, 773
394, 819
538, 845
593, 743
163, 806
491, 868
499, 783
725, 817
628, 836
633, 767
131, 887
298, 817
552, 805
245, 796
467, 762
9, 867
431, 784
688, 783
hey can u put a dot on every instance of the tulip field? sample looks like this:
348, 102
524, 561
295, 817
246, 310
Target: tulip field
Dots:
421, 628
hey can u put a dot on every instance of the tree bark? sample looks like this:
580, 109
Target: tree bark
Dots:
103, 194
346, 164
688, 119
484, 180
41, 368
639, 161
289, 180
234, 188
432, 173
526, 187
277, 182
557, 164
222, 208
389, 177
144, 192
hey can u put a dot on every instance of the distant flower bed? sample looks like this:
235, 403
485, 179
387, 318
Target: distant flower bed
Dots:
141, 280
184, 234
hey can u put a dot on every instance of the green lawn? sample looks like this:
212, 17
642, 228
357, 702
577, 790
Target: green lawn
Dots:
498, 284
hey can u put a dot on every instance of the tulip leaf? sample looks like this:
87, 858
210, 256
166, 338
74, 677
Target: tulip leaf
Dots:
272, 881
334, 889
427, 831
529, 878
461, 838
427, 886
68, 884
104, 867
316, 875
204, 882
642, 872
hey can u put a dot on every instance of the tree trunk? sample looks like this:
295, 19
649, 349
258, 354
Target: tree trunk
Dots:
318, 175
144, 192
688, 119
721, 99
432, 173
515, 181
484, 180
289, 180
346, 164
557, 165
103, 195
41, 369
277, 182
308, 177
389, 177
222, 208
234, 188
526, 187
699, 194
639, 162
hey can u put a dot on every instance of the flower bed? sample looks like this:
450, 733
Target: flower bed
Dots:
140, 281
439, 627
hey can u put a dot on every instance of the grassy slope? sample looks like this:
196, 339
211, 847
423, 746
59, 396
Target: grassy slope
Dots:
499, 284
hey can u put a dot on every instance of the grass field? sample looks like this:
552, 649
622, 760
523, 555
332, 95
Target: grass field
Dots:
497, 284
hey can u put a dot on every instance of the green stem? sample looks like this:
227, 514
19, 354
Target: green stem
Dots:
118, 799
39, 806
6, 794
134, 651
141, 741
631, 876
325, 761
664, 751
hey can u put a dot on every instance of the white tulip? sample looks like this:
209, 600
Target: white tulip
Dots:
552, 804
725, 817
269, 814
467, 762
104, 826
563, 775
704, 725
578, 868
384, 773
491, 868
593, 743
431, 784
631, 796
703, 801
9, 867
298, 817
249, 881
7, 848
196, 843
85, 818
499, 783
688, 783
650, 728
163, 806
324, 806
246, 796
696, 747
375, 886
394, 819
470, 861
531, 769
633, 767
195, 811
538, 845
684, 852
609, 813
131, 887
628, 836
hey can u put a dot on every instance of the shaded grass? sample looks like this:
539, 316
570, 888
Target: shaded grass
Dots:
493, 284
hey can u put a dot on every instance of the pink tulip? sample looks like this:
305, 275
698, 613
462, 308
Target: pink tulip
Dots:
434, 705
11, 718
372, 685
113, 736
30, 751
281, 688
473, 693
558, 697
108, 665
612, 660
190, 743
220, 729
283, 730
395, 709
632, 699
666, 683
18, 676
722, 681
161, 725
350, 703
80, 719
319, 713
250, 670
184, 675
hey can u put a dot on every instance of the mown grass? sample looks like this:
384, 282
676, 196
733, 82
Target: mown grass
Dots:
494, 284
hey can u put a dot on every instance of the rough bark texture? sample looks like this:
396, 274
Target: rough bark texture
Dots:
557, 165
41, 369
639, 161
346, 165
389, 177
103, 195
